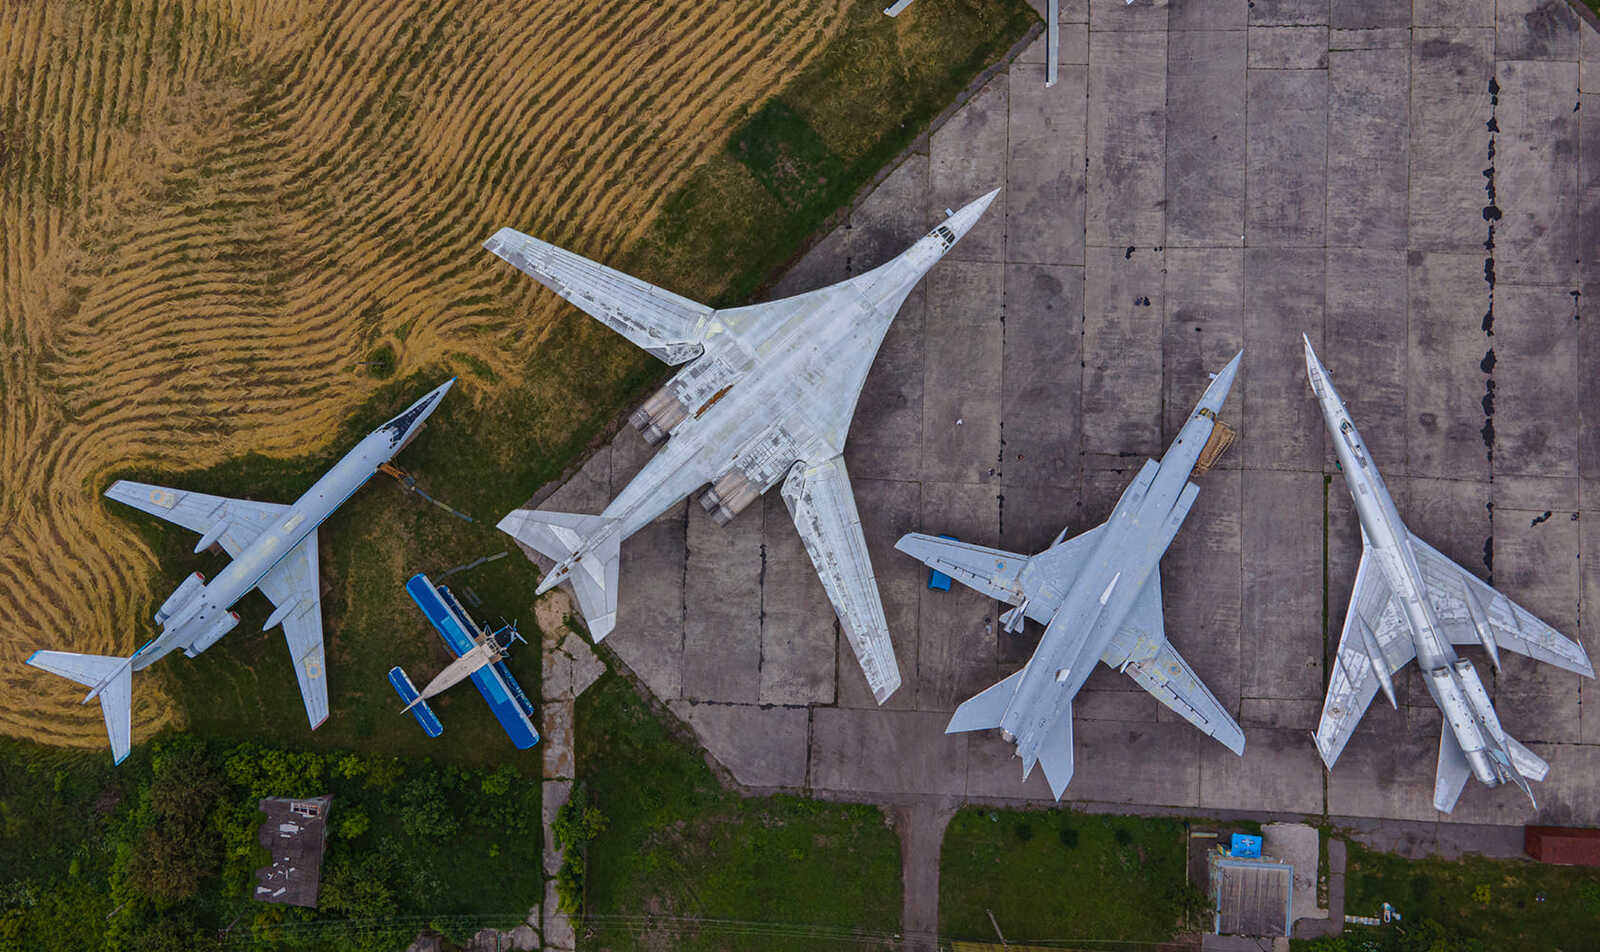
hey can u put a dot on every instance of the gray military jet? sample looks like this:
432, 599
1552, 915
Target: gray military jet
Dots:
1410, 602
274, 548
767, 395
1099, 597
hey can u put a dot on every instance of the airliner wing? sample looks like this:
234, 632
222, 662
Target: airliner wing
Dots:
1514, 627
1140, 649
1353, 681
294, 583
824, 510
662, 323
241, 519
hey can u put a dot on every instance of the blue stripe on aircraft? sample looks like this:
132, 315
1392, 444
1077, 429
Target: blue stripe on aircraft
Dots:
421, 711
494, 681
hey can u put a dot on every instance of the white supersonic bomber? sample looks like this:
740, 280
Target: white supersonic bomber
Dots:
273, 548
1098, 595
766, 397
1410, 602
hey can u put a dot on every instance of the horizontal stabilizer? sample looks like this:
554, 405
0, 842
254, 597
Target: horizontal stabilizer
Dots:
1526, 762
984, 710
1453, 770
414, 703
109, 679
1056, 754
558, 535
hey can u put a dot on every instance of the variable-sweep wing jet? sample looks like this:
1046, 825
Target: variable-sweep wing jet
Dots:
1410, 602
274, 548
767, 395
1099, 597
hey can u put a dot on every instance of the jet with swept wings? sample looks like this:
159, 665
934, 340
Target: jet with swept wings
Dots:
766, 396
1412, 603
274, 548
1098, 595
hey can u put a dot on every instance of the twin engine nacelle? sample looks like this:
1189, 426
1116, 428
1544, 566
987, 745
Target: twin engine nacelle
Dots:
729, 495
189, 589
226, 623
658, 415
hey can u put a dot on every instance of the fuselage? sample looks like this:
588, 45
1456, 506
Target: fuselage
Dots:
205, 615
1142, 525
776, 383
1452, 681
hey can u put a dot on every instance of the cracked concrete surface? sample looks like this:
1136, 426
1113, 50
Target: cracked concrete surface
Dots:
1416, 185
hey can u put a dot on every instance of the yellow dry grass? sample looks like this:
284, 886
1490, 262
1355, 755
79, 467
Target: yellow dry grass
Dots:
211, 211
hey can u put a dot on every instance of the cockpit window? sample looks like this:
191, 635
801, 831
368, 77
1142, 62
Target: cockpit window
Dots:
946, 236
1350, 439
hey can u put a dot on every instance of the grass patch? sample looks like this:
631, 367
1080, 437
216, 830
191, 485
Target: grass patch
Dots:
1063, 876
679, 845
808, 150
408, 844
1472, 903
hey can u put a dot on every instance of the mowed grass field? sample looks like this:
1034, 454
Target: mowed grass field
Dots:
234, 236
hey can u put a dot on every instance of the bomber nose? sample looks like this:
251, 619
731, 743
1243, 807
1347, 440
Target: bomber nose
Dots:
962, 221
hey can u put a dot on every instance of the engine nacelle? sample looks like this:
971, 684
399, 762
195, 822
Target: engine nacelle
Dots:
728, 496
220, 627
659, 414
180, 596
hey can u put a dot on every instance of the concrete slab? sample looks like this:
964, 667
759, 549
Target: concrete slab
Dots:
1204, 328
1185, 15
1293, 714
1536, 360
1202, 587
1205, 138
1448, 302
1537, 566
1450, 74
722, 607
967, 158
1286, 127
649, 636
1121, 15
1288, 13
886, 752
1452, 13
1120, 762
760, 746
1386, 38
1126, 138
1536, 30
798, 637
1369, 113
1280, 645
1288, 47
964, 345
1122, 334
1284, 298
1279, 772
1535, 177
1364, 347
1045, 167
1369, 14
1042, 378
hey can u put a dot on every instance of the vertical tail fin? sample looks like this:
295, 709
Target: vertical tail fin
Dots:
585, 553
109, 679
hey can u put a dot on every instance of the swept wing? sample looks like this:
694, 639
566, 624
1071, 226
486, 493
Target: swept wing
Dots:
1039, 583
1354, 681
665, 324
241, 520
1140, 649
1514, 627
291, 585
824, 510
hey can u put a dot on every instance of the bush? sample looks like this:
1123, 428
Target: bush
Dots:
352, 823
576, 823
424, 810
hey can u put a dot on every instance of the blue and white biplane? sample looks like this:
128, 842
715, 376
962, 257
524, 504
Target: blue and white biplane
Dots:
480, 654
